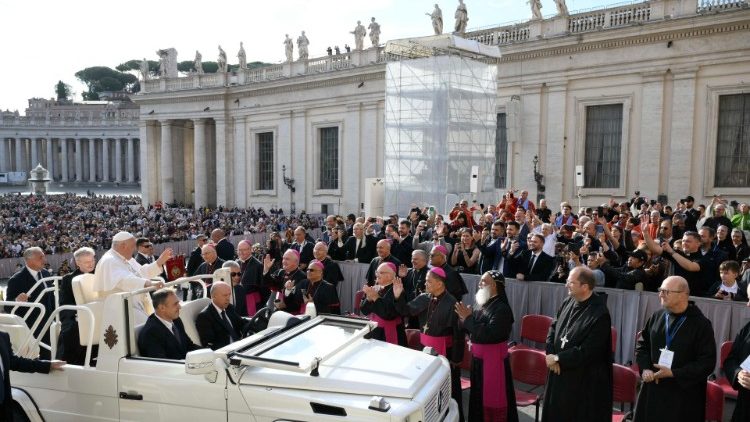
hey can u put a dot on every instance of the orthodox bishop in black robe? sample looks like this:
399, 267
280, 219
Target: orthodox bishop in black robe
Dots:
739, 354
322, 293
681, 398
580, 337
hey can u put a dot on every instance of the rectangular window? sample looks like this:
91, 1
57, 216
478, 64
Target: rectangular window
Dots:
733, 142
329, 158
603, 145
501, 152
265, 161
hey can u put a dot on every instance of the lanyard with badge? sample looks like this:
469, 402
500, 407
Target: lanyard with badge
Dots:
666, 356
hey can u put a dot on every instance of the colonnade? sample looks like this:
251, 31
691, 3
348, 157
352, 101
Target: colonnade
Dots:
74, 159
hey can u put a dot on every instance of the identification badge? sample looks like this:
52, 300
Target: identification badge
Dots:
746, 364
666, 357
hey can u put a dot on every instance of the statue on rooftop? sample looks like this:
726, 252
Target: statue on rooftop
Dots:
462, 18
198, 62
222, 61
437, 19
562, 8
536, 9
167, 62
374, 32
359, 35
242, 57
145, 69
302, 44
288, 48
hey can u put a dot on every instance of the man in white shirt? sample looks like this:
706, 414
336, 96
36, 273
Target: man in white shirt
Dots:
117, 272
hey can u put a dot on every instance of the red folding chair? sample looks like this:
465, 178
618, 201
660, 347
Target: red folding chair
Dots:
722, 380
633, 364
714, 402
624, 387
358, 300
412, 339
529, 366
534, 328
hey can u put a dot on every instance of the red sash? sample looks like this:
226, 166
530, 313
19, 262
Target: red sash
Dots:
389, 326
493, 373
440, 344
250, 300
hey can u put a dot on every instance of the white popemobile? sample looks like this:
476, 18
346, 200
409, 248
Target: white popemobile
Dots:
297, 369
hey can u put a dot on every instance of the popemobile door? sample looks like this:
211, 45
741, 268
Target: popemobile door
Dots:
160, 390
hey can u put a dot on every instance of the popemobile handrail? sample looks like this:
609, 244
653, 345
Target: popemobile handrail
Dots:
15, 304
55, 288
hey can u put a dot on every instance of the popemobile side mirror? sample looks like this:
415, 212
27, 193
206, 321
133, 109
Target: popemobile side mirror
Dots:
202, 362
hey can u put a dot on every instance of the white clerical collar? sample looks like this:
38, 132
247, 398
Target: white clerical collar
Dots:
729, 289
33, 273
166, 323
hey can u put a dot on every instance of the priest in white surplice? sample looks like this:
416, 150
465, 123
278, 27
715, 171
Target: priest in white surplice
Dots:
117, 271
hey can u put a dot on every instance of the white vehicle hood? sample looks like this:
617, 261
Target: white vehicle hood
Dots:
367, 367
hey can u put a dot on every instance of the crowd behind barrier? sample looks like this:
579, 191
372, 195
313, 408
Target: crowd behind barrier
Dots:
629, 309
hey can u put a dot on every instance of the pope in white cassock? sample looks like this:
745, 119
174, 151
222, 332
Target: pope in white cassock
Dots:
117, 271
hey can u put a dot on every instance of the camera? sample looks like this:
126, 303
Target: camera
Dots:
637, 193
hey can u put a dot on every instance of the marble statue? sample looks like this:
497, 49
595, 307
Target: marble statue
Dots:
536, 9
462, 18
437, 19
144, 69
167, 62
374, 28
302, 44
359, 35
222, 61
198, 62
337, 50
162, 62
562, 8
288, 48
242, 56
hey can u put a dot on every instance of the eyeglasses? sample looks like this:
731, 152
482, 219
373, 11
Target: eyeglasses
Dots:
148, 246
235, 274
667, 292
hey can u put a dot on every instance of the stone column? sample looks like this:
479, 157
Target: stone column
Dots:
646, 170
681, 135
105, 160
282, 150
552, 160
118, 160
19, 155
240, 174
3, 145
34, 152
50, 159
131, 159
79, 161
222, 179
146, 181
92, 160
166, 165
353, 164
199, 160
64, 160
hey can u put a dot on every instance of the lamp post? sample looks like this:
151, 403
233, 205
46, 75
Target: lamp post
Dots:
289, 182
538, 178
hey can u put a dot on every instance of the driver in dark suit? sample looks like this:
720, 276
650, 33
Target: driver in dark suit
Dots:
163, 336
218, 323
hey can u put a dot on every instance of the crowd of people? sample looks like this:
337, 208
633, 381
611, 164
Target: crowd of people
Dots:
64, 223
414, 281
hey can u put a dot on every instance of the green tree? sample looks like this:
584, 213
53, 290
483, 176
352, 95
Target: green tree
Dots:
63, 91
103, 78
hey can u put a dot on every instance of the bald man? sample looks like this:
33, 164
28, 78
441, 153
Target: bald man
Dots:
676, 353
379, 304
331, 271
283, 281
218, 324
383, 249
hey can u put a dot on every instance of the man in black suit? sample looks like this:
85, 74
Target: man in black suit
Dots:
454, 283
350, 220
70, 349
145, 248
195, 256
211, 263
303, 246
11, 362
251, 279
224, 247
19, 286
360, 247
163, 336
384, 255
331, 270
533, 264
218, 323
402, 242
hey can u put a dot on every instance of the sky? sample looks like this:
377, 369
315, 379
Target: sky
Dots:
45, 41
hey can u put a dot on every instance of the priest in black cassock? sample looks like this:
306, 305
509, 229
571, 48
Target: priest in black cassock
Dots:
316, 290
332, 272
282, 282
738, 377
454, 283
676, 353
379, 305
579, 355
440, 328
492, 398
413, 279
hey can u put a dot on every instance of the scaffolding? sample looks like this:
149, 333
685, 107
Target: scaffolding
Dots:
440, 121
